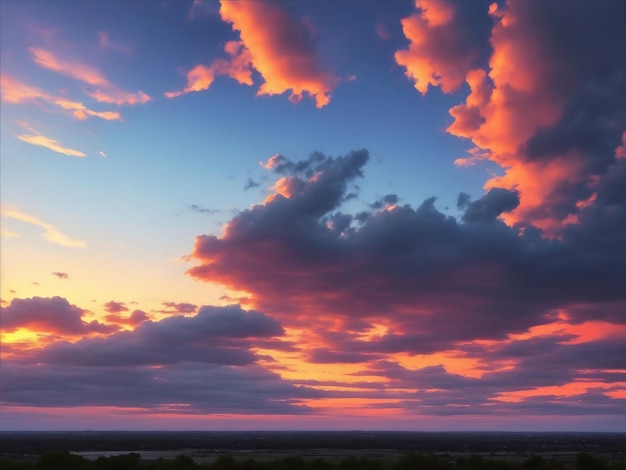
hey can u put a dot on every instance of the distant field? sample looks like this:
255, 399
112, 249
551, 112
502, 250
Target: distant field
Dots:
343, 450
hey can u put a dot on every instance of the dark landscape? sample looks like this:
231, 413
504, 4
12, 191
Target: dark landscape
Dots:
306, 449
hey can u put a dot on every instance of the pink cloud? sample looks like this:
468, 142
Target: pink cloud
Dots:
76, 70
178, 307
382, 32
438, 54
115, 307
104, 91
119, 97
281, 50
620, 151
14, 91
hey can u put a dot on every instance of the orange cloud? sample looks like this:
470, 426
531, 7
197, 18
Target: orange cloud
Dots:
81, 112
76, 70
238, 66
105, 91
438, 54
281, 50
14, 91
47, 142
524, 95
506, 106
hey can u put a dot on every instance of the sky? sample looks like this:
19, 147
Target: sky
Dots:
276, 215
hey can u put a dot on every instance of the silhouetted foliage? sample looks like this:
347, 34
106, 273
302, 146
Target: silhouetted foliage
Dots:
63, 461
588, 461
15, 465
133, 461
320, 464
421, 461
224, 462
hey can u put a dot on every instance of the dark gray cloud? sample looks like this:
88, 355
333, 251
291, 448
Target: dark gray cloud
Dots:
61, 275
424, 269
53, 315
217, 335
202, 210
490, 206
189, 387
250, 183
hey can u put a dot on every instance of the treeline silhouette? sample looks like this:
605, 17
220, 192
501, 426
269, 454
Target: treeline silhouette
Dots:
133, 461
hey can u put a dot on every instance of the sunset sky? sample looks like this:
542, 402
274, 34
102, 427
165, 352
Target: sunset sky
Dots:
313, 214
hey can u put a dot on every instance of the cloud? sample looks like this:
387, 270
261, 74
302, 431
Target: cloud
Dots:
200, 364
181, 307
188, 388
216, 335
103, 90
409, 267
442, 48
50, 234
14, 91
76, 70
52, 315
115, 307
135, 318
250, 184
549, 108
281, 48
61, 275
382, 32
238, 66
202, 210
202, 9
54, 145
119, 97
8, 234
488, 208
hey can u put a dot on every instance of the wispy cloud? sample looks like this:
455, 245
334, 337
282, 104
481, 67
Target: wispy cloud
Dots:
14, 91
50, 232
76, 70
8, 234
42, 141
105, 91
